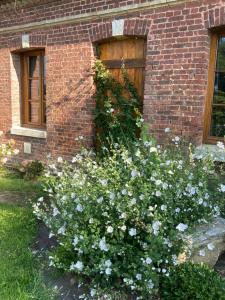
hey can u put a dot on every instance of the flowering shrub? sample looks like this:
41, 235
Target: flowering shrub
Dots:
119, 221
30, 169
6, 150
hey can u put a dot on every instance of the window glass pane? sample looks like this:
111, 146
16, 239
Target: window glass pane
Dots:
34, 109
34, 64
221, 54
34, 89
219, 88
44, 112
218, 104
217, 123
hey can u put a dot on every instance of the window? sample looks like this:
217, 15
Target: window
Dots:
34, 89
215, 107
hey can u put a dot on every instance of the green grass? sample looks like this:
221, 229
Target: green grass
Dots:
11, 182
20, 270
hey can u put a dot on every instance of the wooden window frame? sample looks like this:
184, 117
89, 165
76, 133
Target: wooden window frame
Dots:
25, 90
207, 138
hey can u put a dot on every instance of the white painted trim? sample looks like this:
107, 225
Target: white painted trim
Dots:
119, 11
30, 132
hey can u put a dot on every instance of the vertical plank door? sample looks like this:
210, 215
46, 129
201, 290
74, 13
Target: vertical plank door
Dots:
132, 52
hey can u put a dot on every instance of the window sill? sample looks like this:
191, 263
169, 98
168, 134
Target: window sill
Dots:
205, 149
35, 133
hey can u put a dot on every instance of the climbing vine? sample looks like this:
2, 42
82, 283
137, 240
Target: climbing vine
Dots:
117, 114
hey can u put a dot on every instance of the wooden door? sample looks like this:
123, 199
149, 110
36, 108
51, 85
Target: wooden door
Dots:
131, 52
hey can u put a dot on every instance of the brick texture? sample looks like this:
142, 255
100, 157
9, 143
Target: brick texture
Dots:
177, 58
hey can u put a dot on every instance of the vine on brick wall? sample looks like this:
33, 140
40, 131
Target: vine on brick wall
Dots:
118, 117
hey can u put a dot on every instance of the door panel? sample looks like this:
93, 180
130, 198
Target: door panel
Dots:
131, 52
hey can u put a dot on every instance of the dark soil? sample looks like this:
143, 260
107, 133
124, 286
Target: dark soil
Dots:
66, 284
220, 265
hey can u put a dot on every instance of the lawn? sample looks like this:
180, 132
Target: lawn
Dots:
20, 270
12, 182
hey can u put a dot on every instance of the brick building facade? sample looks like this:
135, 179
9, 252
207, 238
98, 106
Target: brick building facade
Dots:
178, 82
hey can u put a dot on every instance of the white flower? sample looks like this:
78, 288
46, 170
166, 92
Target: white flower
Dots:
148, 261
93, 292
75, 241
62, 230
73, 195
79, 208
163, 207
99, 200
78, 266
103, 182
222, 188
158, 193
55, 212
153, 149
112, 196
182, 227
177, 210
200, 201
108, 271
60, 159
134, 173
141, 197
102, 245
51, 235
150, 284
202, 252
133, 201
158, 182
167, 130
123, 228
211, 246
175, 261
132, 232
138, 276
156, 226
165, 185
221, 145
108, 263
124, 192
110, 229
176, 139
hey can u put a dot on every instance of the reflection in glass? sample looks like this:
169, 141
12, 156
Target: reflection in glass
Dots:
217, 127
44, 112
34, 62
219, 88
34, 92
33, 112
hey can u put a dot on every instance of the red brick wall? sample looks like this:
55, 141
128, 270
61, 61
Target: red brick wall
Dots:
177, 59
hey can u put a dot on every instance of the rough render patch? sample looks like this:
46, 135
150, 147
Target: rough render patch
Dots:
25, 41
117, 27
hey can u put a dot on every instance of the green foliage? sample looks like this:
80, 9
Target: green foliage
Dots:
190, 281
118, 106
20, 275
120, 220
31, 169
